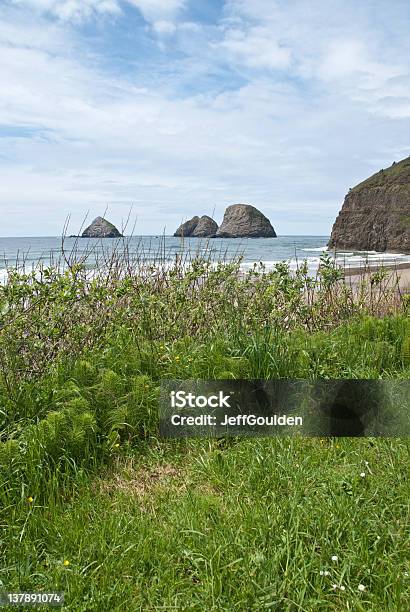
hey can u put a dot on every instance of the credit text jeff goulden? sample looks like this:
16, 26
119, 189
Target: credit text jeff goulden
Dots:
181, 399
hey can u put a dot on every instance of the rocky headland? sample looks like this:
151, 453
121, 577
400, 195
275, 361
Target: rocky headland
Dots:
375, 215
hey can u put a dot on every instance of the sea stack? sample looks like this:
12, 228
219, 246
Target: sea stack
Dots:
375, 215
203, 227
245, 221
206, 228
101, 228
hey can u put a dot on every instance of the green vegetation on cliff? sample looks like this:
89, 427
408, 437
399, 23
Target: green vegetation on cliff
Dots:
398, 175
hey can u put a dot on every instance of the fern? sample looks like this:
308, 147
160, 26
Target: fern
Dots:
405, 351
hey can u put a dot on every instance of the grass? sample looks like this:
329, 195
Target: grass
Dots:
396, 174
238, 525
92, 503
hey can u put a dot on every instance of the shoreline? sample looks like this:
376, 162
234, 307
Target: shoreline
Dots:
398, 275
369, 269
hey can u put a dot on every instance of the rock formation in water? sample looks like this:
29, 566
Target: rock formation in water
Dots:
101, 228
245, 221
206, 228
203, 227
376, 213
186, 229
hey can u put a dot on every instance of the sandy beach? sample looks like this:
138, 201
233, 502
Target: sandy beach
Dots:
398, 275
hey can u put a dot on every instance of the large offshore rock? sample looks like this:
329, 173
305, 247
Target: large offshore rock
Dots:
375, 215
245, 221
186, 229
101, 228
198, 227
206, 228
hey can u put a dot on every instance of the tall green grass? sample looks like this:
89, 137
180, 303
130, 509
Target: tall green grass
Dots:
223, 525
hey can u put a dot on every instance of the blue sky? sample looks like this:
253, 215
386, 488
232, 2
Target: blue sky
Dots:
182, 107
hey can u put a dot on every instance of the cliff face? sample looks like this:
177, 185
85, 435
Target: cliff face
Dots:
376, 213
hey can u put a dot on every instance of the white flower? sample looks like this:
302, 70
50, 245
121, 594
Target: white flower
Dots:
368, 467
334, 587
326, 573
322, 573
342, 588
362, 474
406, 574
361, 587
335, 558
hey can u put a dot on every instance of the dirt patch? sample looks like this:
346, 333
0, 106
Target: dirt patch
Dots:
143, 480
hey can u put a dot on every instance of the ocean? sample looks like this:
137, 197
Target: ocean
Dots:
27, 253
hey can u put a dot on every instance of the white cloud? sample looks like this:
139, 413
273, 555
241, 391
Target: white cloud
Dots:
208, 132
158, 10
168, 157
72, 10
347, 49
378, 84
346, 58
255, 48
164, 27
263, 10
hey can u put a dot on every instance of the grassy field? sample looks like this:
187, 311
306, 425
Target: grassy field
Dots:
94, 504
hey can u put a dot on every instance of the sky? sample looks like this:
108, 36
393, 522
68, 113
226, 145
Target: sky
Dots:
170, 108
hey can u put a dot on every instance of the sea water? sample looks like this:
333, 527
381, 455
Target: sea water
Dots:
28, 253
